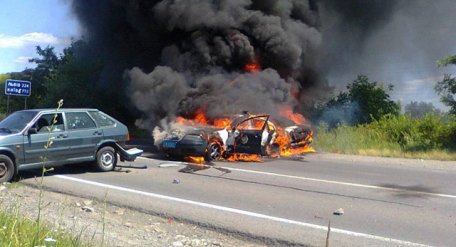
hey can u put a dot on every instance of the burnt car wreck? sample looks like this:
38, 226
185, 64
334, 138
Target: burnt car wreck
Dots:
248, 136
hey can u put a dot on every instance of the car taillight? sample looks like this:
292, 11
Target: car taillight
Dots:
128, 136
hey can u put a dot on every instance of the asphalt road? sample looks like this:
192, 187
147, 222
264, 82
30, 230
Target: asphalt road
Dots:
287, 201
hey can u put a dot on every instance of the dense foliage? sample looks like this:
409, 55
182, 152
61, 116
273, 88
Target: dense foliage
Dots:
447, 87
363, 102
391, 136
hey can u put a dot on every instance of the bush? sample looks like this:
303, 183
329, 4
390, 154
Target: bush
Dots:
391, 135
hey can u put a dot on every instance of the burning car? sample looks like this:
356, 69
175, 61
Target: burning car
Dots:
245, 137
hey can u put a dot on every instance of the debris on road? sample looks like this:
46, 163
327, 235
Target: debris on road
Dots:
176, 181
132, 166
339, 211
166, 165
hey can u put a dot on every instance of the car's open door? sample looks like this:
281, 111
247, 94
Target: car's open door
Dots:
249, 134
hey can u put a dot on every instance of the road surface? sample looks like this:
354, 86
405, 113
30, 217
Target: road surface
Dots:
385, 202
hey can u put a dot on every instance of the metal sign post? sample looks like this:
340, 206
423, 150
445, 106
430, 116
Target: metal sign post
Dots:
7, 105
17, 88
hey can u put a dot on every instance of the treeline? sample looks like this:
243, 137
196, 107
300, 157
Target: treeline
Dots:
364, 120
78, 76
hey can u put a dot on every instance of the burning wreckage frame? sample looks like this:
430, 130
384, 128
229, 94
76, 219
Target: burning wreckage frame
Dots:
246, 138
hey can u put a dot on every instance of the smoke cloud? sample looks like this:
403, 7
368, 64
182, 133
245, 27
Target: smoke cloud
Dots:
173, 57
395, 42
181, 56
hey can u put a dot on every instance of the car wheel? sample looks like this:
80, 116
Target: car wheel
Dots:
6, 169
214, 151
106, 159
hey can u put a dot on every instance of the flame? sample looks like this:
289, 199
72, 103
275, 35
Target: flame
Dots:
200, 119
245, 157
194, 159
283, 139
287, 111
287, 149
253, 66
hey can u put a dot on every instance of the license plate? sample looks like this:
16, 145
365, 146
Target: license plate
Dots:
169, 144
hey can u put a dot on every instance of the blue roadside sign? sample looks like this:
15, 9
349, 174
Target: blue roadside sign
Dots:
18, 88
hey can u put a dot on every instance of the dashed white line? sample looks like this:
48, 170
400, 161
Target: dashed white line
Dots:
330, 181
239, 211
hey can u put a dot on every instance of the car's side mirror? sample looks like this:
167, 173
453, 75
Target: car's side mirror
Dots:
32, 131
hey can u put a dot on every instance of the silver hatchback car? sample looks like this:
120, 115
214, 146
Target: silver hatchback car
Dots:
49, 137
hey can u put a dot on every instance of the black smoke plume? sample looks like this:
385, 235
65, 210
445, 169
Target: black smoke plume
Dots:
172, 57
180, 56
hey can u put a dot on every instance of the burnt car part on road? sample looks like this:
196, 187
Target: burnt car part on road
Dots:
35, 138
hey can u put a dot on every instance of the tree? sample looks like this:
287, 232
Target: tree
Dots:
80, 77
74, 77
46, 64
420, 109
363, 102
447, 87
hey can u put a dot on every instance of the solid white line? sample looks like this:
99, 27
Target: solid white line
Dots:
340, 183
239, 211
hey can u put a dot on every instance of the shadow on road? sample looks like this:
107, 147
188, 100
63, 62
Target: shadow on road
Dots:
298, 189
418, 191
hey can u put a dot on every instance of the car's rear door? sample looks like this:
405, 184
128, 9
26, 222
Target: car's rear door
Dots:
83, 135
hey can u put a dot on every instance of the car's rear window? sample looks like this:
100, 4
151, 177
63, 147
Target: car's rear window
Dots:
102, 119
79, 120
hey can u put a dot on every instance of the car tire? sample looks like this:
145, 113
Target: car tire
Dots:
106, 159
6, 169
214, 151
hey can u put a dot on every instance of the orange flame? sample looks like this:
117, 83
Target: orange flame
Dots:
287, 111
194, 159
245, 157
283, 139
200, 119
252, 67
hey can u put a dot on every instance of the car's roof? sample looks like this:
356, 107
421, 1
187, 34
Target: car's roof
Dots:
61, 110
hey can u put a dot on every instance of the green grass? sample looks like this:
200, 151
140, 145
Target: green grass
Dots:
16, 230
430, 137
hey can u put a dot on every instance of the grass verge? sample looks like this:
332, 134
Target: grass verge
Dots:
431, 137
16, 230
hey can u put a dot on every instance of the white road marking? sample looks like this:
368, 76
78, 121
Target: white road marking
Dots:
331, 181
341, 183
239, 211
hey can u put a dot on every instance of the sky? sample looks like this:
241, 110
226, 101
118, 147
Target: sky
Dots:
25, 24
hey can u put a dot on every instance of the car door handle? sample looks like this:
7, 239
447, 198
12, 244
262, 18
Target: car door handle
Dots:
97, 133
62, 136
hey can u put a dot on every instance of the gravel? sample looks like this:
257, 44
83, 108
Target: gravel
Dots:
122, 226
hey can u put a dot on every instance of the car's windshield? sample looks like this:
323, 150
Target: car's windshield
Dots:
16, 121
